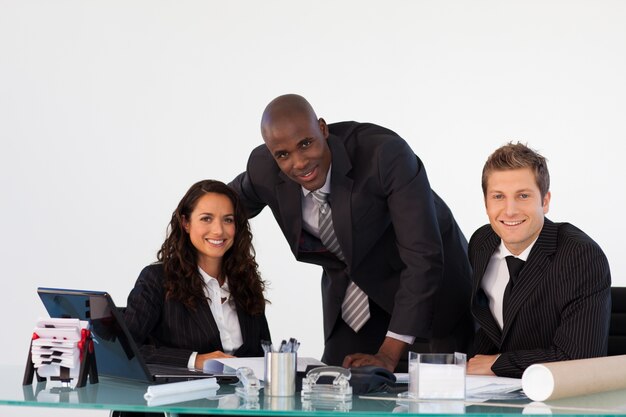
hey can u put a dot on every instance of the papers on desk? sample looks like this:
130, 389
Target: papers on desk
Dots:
257, 364
483, 387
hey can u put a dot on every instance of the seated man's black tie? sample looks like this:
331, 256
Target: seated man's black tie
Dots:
515, 265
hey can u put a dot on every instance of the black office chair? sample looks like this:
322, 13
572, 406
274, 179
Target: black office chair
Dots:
617, 328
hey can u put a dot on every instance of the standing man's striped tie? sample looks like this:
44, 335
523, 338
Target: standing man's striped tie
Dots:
355, 310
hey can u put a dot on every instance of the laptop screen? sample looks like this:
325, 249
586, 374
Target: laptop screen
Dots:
116, 353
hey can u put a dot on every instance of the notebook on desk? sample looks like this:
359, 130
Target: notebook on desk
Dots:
117, 354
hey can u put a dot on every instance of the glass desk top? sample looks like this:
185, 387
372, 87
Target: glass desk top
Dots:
114, 394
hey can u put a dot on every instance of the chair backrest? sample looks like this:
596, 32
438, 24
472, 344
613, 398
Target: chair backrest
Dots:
617, 329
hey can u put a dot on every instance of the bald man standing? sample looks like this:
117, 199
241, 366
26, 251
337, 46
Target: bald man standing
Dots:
354, 199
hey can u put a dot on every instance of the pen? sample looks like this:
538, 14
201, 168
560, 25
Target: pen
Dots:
290, 346
266, 346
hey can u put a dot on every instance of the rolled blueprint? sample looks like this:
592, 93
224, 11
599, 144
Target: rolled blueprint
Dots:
551, 381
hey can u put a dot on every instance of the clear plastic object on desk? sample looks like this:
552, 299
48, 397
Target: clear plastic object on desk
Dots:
338, 390
250, 383
342, 406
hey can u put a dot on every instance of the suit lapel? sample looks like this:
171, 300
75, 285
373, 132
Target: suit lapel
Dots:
480, 302
205, 322
244, 324
533, 272
289, 196
340, 197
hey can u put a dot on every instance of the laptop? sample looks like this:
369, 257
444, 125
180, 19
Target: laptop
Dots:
117, 354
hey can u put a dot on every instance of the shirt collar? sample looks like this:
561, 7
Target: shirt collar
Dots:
325, 188
503, 252
212, 282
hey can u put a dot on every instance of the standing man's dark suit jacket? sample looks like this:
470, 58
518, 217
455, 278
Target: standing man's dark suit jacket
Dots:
390, 226
560, 305
168, 332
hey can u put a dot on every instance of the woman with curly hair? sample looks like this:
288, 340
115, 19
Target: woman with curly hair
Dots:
204, 297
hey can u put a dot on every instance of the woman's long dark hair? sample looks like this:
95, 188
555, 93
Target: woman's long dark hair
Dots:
183, 281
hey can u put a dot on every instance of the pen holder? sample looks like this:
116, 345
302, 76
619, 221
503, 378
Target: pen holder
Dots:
280, 373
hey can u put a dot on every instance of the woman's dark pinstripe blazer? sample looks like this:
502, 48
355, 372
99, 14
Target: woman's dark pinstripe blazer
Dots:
167, 332
559, 308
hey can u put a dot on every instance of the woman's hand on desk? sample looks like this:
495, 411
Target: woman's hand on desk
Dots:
481, 364
201, 358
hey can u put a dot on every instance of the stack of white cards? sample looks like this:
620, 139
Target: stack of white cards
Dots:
57, 343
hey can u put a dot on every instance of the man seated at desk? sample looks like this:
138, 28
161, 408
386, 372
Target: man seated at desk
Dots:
541, 290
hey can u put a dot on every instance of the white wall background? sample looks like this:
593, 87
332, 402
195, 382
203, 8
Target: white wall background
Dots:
110, 110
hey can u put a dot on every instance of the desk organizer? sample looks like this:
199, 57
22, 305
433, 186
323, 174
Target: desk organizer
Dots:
62, 350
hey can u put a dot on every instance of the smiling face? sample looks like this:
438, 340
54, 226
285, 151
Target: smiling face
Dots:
300, 148
515, 207
211, 229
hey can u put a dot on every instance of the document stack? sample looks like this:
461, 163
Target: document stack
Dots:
61, 350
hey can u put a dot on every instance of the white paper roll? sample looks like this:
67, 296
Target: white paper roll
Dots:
538, 382
174, 388
181, 397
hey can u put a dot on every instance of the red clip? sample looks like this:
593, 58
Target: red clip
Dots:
84, 338
35, 336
